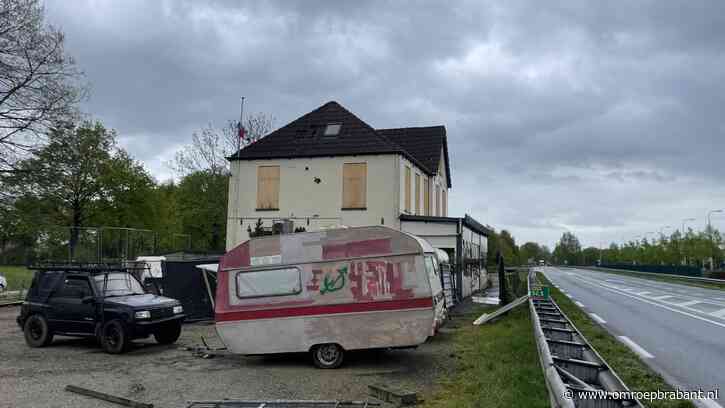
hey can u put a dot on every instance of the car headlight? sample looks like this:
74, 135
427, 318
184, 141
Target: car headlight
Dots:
144, 314
178, 309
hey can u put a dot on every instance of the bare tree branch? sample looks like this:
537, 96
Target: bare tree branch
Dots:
39, 84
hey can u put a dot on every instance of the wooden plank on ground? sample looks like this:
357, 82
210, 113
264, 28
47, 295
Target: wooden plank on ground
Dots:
393, 395
484, 318
107, 397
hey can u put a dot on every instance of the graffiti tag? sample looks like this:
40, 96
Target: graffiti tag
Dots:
333, 285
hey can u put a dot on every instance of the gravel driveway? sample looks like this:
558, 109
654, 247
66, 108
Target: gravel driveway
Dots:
169, 376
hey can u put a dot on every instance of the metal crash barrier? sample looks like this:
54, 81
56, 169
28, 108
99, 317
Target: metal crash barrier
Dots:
576, 375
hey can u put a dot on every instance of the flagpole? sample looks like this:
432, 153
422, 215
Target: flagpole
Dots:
239, 170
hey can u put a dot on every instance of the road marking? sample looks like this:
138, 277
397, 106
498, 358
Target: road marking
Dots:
661, 297
643, 293
719, 313
688, 303
579, 304
707, 403
635, 347
653, 303
597, 318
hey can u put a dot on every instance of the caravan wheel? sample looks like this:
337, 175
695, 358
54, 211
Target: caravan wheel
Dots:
327, 355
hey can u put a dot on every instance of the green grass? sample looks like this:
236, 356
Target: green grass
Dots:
635, 373
18, 277
667, 279
497, 364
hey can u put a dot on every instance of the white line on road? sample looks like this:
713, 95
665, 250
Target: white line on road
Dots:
661, 297
654, 303
688, 303
707, 403
597, 318
579, 304
719, 313
635, 347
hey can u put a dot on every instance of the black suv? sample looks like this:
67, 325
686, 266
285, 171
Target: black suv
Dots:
105, 302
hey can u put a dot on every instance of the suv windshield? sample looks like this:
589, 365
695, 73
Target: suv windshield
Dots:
118, 284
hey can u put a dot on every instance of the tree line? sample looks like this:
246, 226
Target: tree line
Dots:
67, 189
693, 248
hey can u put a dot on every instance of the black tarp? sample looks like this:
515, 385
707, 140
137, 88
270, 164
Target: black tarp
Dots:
185, 282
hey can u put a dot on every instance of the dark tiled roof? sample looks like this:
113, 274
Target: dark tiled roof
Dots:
424, 143
304, 137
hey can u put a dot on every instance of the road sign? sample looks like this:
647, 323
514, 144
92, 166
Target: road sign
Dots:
540, 292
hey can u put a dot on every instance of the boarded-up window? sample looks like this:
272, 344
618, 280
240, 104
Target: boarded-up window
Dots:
417, 194
268, 187
354, 185
407, 189
426, 197
445, 202
438, 201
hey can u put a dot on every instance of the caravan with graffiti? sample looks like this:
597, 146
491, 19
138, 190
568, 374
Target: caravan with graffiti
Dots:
328, 292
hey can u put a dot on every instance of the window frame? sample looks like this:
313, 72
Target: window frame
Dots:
268, 269
259, 207
363, 207
407, 186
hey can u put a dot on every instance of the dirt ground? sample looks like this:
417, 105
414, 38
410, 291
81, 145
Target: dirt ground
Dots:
170, 376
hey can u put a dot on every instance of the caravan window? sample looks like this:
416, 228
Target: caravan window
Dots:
431, 266
269, 282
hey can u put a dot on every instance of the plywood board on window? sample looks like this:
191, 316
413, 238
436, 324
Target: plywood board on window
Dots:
354, 185
407, 188
267, 187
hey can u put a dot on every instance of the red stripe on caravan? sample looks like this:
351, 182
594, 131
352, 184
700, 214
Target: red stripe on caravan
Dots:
324, 309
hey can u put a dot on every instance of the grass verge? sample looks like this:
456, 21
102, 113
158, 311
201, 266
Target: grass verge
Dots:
18, 277
635, 373
666, 279
497, 364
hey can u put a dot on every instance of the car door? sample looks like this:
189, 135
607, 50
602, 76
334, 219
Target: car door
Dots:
69, 313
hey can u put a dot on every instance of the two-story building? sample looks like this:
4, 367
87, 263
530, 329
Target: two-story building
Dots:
329, 168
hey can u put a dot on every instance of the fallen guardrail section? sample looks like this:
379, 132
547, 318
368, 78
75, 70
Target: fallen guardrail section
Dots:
576, 375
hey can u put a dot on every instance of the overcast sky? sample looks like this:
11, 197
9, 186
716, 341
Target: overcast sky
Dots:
606, 119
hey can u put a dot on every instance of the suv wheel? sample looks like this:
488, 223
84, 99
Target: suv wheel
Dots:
36, 330
168, 333
328, 355
114, 338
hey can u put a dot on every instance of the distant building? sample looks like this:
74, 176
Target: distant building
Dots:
328, 168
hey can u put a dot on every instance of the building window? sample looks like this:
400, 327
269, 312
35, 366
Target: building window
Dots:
268, 188
445, 202
426, 196
417, 194
407, 189
438, 201
354, 186
332, 129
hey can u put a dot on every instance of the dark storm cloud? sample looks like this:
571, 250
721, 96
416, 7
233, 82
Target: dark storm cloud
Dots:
596, 117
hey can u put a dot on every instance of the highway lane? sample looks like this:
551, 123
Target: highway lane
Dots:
677, 330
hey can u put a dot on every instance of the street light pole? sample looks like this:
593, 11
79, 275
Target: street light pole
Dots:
709, 231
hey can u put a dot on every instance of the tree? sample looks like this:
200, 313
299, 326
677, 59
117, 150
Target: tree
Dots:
39, 83
210, 146
79, 170
567, 249
530, 252
202, 207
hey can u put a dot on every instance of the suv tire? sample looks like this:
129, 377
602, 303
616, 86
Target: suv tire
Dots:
114, 337
168, 333
36, 330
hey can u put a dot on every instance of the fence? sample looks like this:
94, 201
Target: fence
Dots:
665, 269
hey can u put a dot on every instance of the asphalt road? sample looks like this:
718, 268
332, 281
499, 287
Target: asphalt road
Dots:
678, 330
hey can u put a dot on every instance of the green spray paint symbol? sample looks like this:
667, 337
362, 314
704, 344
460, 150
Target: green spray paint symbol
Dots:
329, 285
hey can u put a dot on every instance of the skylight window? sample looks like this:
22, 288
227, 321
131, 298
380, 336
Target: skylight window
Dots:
332, 129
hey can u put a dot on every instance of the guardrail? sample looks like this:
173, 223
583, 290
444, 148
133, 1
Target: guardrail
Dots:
576, 375
669, 275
